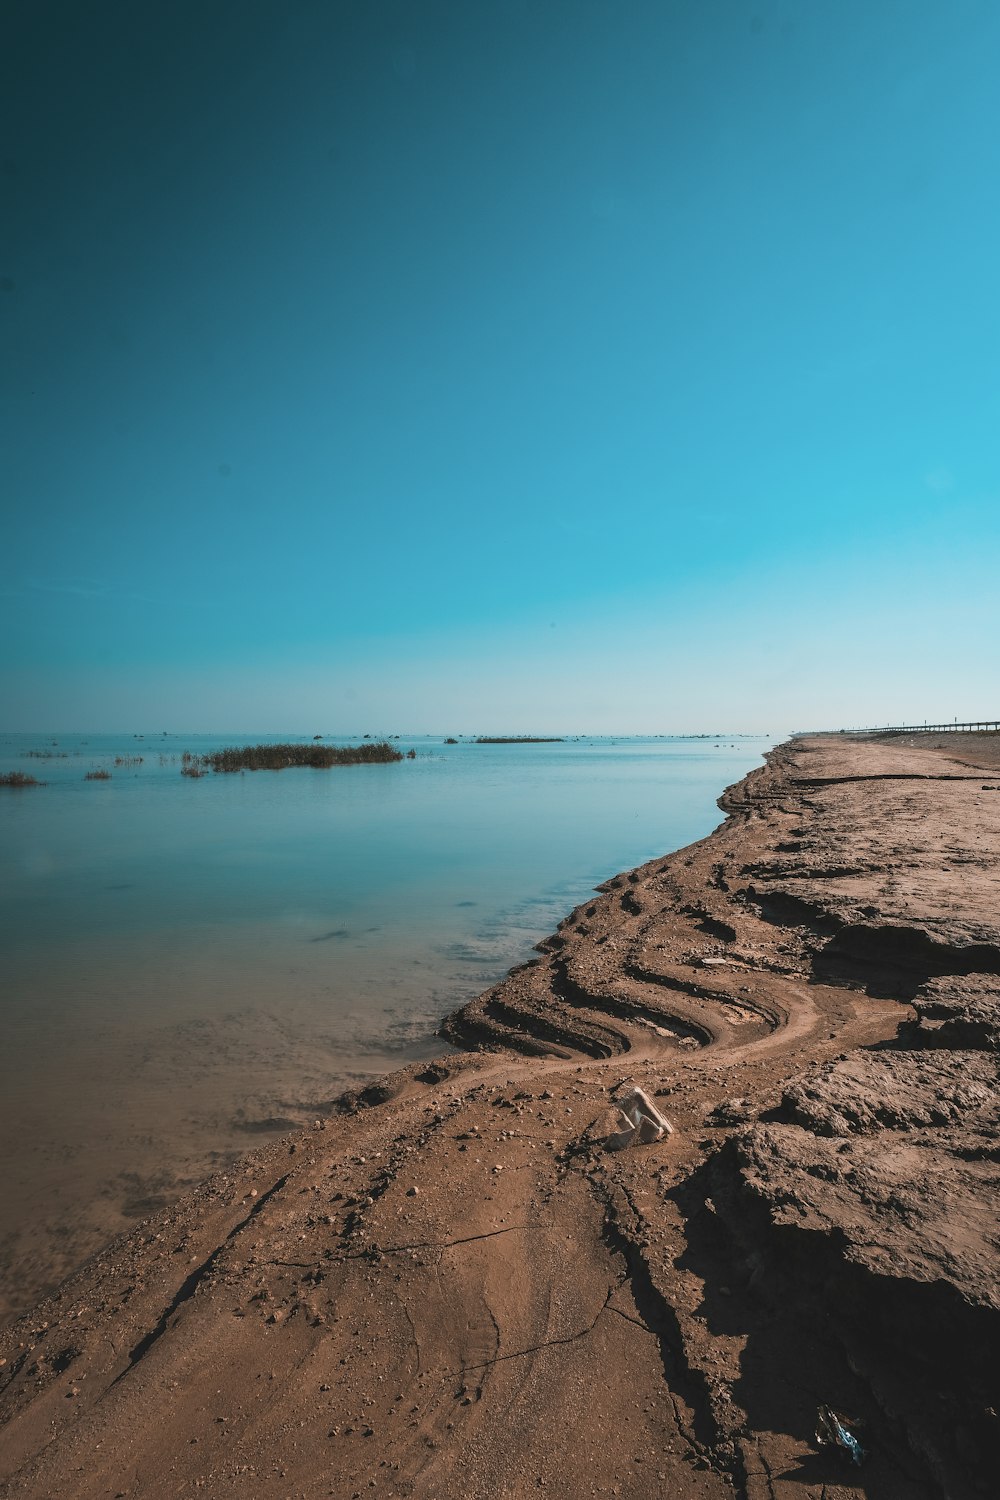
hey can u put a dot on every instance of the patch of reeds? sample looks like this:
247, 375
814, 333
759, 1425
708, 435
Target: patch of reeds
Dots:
518, 739
280, 757
98, 775
18, 778
46, 754
128, 760
192, 770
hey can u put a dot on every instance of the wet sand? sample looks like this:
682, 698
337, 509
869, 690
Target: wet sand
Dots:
448, 1287
134, 1115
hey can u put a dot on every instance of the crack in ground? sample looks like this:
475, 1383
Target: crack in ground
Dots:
190, 1284
413, 1334
481, 1383
661, 1319
767, 1473
570, 1338
438, 1244
682, 1427
636, 1322
496, 1325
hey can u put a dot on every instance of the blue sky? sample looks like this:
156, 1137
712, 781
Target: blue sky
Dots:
553, 364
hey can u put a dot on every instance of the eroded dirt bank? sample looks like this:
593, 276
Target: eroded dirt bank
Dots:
449, 1288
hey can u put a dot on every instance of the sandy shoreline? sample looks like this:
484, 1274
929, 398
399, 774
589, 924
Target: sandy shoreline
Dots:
448, 1288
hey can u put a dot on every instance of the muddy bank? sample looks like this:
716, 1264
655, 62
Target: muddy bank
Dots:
447, 1287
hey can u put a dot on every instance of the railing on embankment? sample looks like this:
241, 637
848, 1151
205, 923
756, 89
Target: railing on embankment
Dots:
985, 726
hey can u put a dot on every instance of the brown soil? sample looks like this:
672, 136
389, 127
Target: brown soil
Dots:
448, 1288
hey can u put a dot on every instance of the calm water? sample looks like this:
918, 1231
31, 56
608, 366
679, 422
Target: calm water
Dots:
189, 965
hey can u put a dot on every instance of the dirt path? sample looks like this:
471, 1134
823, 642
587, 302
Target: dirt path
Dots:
449, 1288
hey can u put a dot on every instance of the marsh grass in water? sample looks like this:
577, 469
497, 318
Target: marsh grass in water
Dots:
280, 757
18, 778
98, 776
518, 739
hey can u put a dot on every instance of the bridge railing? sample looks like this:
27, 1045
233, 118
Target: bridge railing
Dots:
982, 726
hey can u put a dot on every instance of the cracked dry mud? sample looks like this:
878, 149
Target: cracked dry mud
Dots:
448, 1288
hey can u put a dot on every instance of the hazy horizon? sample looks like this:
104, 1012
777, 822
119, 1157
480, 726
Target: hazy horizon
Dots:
213, 732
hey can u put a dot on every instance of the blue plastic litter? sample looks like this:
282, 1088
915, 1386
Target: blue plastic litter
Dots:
832, 1429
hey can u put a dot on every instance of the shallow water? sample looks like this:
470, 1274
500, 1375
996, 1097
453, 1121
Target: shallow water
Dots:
187, 966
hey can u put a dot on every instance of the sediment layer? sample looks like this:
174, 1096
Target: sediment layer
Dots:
450, 1288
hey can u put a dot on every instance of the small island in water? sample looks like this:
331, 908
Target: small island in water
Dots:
279, 757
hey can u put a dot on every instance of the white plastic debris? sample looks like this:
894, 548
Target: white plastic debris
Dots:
641, 1119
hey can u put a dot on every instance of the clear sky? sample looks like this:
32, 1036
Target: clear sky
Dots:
438, 365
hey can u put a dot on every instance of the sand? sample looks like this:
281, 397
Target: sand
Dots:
449, 1287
